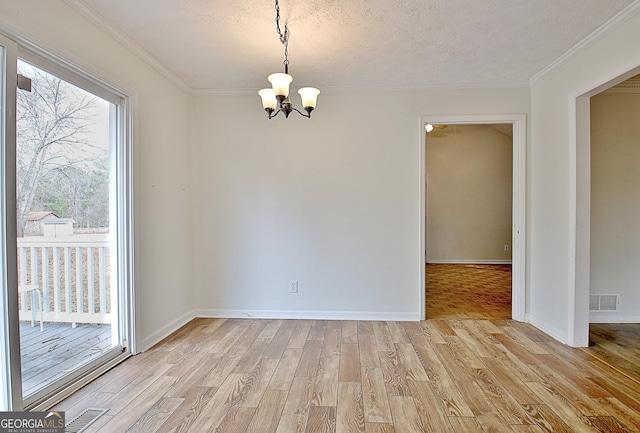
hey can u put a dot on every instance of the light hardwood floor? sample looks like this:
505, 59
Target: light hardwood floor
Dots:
285, 376
617, 344
466, 291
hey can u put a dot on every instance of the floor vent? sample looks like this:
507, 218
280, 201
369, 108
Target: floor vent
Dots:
604, 302
84, 420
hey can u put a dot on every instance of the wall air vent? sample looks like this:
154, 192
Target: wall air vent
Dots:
609, 302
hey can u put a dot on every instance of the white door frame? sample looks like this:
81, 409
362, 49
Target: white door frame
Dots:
518, 235
10, 368
579, 248
120, 218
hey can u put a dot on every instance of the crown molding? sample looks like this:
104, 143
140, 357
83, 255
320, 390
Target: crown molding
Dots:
33, 43
598, 34
377, 89
92, 15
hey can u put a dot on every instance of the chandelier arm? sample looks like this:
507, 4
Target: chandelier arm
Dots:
307, 115
273, 114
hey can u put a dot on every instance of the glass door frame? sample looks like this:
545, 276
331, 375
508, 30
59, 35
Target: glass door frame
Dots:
11, 398
122, 221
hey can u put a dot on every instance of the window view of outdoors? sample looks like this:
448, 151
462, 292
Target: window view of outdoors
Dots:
64, 257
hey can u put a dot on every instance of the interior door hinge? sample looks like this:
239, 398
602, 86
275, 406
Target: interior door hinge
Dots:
24, 83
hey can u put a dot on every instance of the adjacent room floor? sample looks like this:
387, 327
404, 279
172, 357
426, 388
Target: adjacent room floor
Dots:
617, 344
459, 291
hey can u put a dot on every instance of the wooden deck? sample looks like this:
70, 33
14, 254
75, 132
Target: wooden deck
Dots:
48, 355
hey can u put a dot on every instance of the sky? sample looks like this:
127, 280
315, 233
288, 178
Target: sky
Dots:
98, 127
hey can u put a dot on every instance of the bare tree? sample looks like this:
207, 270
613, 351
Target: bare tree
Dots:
77, 193
53, 122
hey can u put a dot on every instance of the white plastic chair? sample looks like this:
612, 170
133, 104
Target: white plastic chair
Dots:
36, 299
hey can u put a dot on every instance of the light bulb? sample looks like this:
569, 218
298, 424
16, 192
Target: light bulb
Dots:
309, 96
280, 84
269, 101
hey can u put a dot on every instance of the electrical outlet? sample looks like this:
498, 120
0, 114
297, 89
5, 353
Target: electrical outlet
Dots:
506, 248
293, 286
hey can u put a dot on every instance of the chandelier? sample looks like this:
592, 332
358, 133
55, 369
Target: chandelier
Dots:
277, 97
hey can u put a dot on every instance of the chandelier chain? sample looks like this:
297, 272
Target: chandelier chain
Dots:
284, 37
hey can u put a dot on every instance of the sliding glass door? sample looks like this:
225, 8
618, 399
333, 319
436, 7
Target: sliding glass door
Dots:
71, 221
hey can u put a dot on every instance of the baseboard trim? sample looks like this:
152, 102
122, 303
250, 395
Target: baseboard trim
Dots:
468, 262
553, 332
612, 318
308, 315
178, 323
162, 333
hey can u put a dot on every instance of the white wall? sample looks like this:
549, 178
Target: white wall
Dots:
469, 195
550, 288
162, 206
333, 202
615, 202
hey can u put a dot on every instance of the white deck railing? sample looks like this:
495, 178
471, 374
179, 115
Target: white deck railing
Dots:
73, 275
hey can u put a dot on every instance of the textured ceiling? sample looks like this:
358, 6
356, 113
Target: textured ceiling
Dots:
233, 45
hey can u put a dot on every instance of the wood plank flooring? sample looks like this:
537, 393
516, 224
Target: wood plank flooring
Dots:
286, 376
459, 291
617, 344
463, 291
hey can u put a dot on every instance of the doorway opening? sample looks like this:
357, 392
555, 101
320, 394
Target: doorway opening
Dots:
436, 245
614, 300
580, 192
469, 204
607, 299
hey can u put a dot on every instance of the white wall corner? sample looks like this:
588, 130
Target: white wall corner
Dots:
171, 327
94, 17
552, 331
